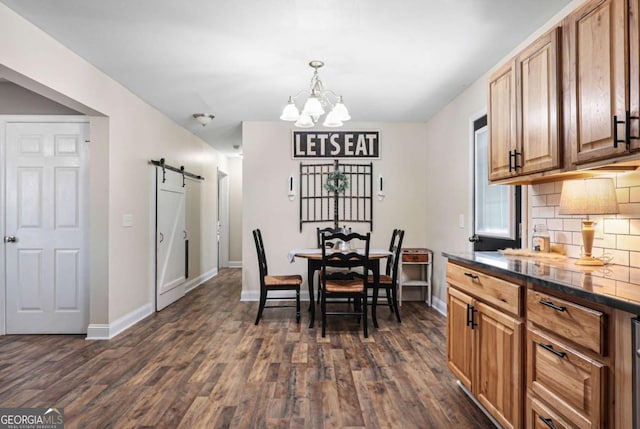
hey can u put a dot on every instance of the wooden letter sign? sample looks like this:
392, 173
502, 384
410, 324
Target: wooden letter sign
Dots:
336, 144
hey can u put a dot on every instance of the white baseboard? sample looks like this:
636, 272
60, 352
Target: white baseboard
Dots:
99, 331
439, 305
235, 264
106, 331
194, 283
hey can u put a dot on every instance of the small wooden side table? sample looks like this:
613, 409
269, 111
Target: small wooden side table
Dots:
422, 258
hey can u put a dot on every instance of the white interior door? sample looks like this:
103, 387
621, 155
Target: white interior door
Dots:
171, 236
46, 246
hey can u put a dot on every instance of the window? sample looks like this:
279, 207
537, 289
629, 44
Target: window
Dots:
497, 211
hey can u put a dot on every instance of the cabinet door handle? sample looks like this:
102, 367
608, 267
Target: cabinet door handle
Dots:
552, 305
615, 131
627, 127
472, 276
471, 316
515, 160
548, 422
549, 348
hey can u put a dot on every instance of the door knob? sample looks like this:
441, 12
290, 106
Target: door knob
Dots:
474, 238
10, 239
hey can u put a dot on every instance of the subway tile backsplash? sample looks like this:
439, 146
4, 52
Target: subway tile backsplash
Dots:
616, 235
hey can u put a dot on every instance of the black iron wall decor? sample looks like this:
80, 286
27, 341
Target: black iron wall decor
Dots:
336, 144
336, 192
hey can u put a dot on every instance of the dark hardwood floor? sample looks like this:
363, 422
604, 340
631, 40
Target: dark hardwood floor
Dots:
201, 363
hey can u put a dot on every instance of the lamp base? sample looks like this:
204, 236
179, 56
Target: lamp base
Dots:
589, 260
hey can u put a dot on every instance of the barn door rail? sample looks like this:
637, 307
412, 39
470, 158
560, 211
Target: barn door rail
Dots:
161, 163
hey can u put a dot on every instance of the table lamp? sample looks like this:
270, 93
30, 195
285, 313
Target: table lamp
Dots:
594, 196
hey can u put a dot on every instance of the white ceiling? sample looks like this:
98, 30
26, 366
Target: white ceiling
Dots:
393, 61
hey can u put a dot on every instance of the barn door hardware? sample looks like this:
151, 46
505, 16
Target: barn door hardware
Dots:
162, 164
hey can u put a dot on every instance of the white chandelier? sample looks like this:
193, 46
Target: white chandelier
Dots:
318, 99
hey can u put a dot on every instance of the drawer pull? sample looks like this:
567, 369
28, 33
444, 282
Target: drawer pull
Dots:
549, 348
552, 305
472, 276
548, 422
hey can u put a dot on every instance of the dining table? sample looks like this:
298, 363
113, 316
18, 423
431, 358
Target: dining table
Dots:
314, 263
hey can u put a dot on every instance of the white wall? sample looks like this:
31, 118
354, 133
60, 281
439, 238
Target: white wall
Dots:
448, 181
125, 134
15, 100
267, 167
448, 185
235, 212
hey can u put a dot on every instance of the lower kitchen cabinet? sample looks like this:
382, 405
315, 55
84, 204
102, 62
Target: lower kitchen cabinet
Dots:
536, 355
574, 383
460, 337
499, 372
485, 348
540, 416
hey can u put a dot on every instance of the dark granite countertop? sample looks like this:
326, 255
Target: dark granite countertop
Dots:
613, 285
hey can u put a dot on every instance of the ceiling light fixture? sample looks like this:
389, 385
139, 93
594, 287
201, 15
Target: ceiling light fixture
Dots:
318, 99
203, 118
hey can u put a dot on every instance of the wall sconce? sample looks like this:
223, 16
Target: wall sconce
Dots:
203, 118
585, 197
381, 193
292, 193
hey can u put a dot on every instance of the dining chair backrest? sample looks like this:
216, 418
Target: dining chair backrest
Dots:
262, 258
327, 230
277, 283
357, 256
395, 247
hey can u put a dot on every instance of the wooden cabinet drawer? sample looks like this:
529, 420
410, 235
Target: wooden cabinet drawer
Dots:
572, 382
539, 416
500, 293
576, 323
415, 257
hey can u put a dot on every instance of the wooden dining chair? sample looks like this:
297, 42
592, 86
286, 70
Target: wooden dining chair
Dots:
327, 230
270, 283
350, 283
389, 280
319, 233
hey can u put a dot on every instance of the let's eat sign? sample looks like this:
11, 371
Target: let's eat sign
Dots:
336, 144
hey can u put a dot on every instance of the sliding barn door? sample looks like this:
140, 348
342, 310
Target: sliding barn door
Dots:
171, 238
47, 280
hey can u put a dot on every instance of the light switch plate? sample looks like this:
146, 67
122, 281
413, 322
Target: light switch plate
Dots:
461, 221
127, 220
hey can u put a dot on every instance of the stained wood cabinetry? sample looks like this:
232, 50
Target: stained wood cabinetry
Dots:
573, 95
484, 341
566, 360
597, 83
502, 122
524, 108
537, 356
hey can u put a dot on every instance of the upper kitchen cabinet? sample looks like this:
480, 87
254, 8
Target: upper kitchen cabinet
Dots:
634, 75
596, 90
524, 112
502, 122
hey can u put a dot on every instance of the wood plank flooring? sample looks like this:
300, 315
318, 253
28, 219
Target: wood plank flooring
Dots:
201, 363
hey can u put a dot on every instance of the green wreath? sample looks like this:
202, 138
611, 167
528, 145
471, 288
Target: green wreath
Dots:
336, 182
